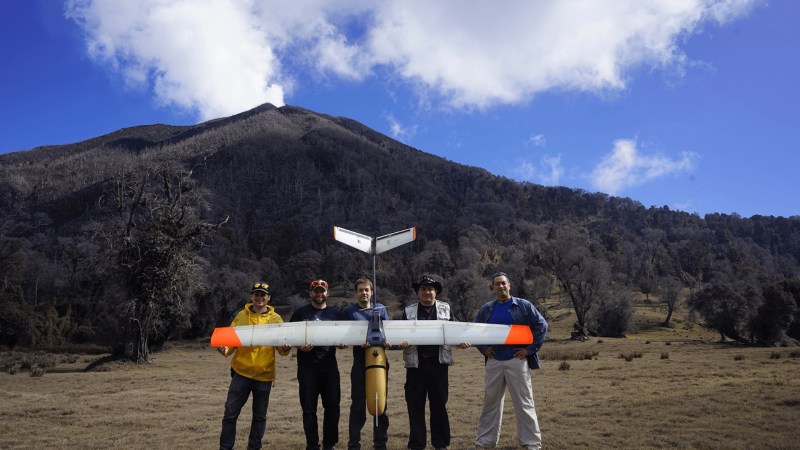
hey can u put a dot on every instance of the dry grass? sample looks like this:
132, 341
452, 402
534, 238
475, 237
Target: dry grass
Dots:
705, 395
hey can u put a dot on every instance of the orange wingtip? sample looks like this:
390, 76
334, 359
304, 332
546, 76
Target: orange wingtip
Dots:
519, 334
225, 337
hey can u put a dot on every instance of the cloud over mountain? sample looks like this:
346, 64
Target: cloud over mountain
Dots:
219, 57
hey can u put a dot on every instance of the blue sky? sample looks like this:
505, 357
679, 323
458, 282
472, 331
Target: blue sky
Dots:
690, 104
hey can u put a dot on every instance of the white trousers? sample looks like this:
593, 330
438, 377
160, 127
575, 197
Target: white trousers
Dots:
515, 375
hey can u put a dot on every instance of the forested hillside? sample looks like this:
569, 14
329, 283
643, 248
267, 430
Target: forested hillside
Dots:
154, 232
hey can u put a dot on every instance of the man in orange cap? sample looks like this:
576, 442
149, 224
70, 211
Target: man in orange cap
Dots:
318, 373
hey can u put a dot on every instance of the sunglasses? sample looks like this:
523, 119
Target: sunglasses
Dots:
264, 286
319, 283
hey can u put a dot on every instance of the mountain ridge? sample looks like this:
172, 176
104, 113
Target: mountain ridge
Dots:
274, 181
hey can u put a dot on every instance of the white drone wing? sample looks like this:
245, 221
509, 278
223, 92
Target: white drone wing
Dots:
381, 244
354, 332
396, 239
438, 332
353, 239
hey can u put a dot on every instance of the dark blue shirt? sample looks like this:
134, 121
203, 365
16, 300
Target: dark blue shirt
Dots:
354, 312
501, 314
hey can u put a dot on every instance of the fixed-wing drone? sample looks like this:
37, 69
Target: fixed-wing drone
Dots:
374, 332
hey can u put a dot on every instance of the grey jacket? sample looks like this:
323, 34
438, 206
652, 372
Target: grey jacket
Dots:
410, 356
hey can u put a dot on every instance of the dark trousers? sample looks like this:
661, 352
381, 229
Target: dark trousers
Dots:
238, 392
358, 409
320, 381
429, 381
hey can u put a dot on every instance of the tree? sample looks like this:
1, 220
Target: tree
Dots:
581, 275
434, 259
303, 268
670, 298
466, 292
152, 241
724, 310
612, 315
774, 315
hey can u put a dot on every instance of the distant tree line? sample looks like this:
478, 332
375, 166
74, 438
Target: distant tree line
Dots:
153, 233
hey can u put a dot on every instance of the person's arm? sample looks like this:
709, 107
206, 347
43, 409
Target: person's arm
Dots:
403, 345
481, 317
283, 350
228, 351
539, 327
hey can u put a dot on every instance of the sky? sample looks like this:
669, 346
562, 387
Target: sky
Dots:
689, 104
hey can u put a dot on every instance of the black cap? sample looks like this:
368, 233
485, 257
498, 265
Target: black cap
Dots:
427, 280
260, 287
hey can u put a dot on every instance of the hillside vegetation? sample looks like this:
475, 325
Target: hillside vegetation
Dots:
153, 233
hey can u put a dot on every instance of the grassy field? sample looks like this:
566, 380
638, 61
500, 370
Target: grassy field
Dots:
657, 388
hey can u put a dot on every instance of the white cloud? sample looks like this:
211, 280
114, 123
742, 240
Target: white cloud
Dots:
537, 140
399, 131
206, 56
219, 57
479, 54
626, 167
547, 171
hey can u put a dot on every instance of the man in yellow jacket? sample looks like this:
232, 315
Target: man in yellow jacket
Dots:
252, 371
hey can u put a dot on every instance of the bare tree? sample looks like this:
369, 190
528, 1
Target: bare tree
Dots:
671, 297
581, 275
152, 241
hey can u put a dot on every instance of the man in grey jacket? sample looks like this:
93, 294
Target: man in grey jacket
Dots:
427, 370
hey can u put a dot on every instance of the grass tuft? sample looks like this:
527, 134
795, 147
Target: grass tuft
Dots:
561, 355
630, 356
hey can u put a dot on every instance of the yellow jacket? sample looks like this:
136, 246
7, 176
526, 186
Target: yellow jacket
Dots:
257, 363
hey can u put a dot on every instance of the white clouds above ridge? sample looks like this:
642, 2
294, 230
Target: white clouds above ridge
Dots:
220, 57
627, 167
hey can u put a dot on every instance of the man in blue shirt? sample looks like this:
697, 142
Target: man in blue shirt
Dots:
318, 373
508, 366
362, 310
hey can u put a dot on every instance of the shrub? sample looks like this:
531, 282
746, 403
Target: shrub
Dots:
630, 356
564, 365
555, 355
36, 362
775, 355
738, 357
664, 355
612, 316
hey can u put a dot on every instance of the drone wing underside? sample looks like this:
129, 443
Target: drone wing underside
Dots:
340, 332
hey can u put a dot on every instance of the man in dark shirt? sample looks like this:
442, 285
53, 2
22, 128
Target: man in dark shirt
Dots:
318, 373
